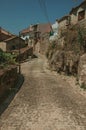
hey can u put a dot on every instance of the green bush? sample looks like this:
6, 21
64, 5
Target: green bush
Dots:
6, 58
2, 59
83, 85
9, 58
81, 38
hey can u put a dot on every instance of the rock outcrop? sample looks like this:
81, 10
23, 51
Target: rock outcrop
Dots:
82, 70
66, 62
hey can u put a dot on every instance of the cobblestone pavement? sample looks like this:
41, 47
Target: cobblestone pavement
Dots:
44, 102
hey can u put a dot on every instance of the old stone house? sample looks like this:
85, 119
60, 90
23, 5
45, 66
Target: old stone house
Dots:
37, 33
4, 34
44, 30
78, 14
30, 35
63, 24
12, 43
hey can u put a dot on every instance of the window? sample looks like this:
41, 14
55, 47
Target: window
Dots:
13, 47
81, 15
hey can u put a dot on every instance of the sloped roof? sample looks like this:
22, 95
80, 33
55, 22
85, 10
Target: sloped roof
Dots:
63, 18
27, 30
75, 9
24, 31
11, 38
5, 32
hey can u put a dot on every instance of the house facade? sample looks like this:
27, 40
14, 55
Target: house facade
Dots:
37, 34
44, 34
4, 34
63, 24
78, 14
13, 43
30, 34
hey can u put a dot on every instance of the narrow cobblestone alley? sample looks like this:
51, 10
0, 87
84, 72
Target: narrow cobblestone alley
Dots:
44, 102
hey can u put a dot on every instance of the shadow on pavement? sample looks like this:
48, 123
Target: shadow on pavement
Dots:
9, 96
34, 56
30, 58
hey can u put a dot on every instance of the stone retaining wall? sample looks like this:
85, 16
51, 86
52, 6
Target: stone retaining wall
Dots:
82, 70
25, 53
8, 78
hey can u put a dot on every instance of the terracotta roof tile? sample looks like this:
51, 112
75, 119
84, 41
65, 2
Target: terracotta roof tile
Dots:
5, 32
24, 31
10, 38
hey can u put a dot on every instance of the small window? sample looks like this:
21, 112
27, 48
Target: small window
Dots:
13, 47
81, 15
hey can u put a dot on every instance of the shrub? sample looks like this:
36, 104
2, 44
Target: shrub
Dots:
81, 38
6, 58
83, 85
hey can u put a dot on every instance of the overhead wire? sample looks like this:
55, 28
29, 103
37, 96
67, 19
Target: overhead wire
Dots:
44, 9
